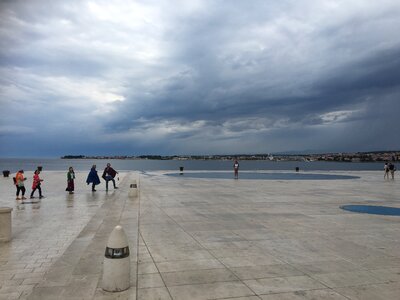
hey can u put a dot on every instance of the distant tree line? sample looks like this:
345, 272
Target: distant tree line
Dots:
72, 156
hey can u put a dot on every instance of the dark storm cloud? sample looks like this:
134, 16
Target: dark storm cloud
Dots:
199, 76
346, 87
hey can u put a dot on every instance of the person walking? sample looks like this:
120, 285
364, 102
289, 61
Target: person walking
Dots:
392, 169
93, 178
70, 180
36, 184
19, 183
109, 175
386, 170
236, 169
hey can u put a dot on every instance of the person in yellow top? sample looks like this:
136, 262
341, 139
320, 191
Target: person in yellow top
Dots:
19, 183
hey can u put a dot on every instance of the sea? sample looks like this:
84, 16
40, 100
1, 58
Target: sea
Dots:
58, 164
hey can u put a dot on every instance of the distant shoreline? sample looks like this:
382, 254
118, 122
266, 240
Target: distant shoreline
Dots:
376, 156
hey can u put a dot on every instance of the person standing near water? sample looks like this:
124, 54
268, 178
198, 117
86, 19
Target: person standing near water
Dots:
386, 170
36, 185
70, 180
236, 169
109, 175
93, 178
392, 169
19, 183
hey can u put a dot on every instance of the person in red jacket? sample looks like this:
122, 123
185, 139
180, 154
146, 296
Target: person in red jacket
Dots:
109, 174
36, 184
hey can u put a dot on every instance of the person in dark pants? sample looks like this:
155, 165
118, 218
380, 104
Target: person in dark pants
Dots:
392, 169
36, 185
386, 171
236, 169
93, 178
109, 175
70, 180
19, 183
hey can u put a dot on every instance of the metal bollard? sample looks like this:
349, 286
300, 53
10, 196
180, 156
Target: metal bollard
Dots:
133, 189
5, 224
117, 266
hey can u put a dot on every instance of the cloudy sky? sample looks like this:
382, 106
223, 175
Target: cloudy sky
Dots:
198, 76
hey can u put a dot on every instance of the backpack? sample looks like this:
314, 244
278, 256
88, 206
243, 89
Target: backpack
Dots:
15, 180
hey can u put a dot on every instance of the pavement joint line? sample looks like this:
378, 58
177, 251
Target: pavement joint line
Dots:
138, 236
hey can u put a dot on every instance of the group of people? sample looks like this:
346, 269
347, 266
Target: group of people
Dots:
19, 181
109, 174
389, 168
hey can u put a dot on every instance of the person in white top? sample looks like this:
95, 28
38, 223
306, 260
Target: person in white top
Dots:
236, 169
386, 170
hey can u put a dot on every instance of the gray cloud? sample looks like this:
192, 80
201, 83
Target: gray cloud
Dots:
128, 77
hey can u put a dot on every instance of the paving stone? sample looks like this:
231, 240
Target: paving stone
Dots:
343, 279
150, 281
372, 292
333, 266
10, 296
210, 290
242, 298
326, 294
147, 268
154, 294
129, 294
266, 271
198, 276
182, 265
283, 284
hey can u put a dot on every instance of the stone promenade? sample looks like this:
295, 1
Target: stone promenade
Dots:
206, 239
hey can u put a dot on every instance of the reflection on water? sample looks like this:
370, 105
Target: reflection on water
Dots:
21, 205
70, 200
94, 196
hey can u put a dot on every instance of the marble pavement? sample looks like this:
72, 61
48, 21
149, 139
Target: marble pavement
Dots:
206, 239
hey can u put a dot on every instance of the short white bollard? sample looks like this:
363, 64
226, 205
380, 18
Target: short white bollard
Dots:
5, 224
133, 189
117, 266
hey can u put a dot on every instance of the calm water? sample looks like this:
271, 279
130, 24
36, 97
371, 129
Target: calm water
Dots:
14, 165
263, 176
